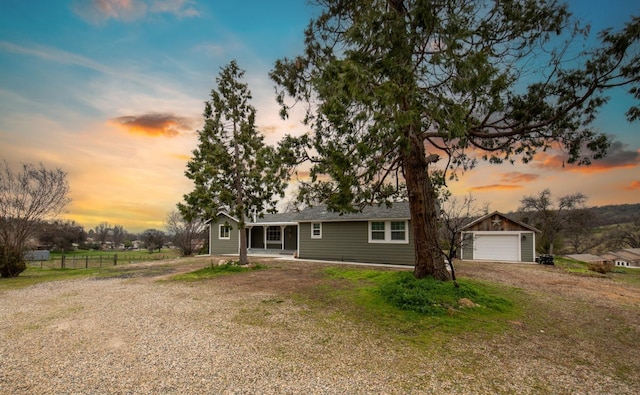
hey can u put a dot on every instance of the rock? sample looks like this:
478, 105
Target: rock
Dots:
466, 302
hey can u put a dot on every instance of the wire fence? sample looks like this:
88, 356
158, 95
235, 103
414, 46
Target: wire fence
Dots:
93, 261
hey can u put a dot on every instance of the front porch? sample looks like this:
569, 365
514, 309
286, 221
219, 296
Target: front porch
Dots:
266, 251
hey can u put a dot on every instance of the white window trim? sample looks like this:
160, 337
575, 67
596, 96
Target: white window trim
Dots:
220, 232
387, 233
313, 236
267, 235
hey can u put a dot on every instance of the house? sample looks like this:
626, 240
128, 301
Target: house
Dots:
274, 233
377, 234
629, 257
589, 258
496, 237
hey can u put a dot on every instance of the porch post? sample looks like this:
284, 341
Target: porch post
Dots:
249, 227
264, 235
282, 236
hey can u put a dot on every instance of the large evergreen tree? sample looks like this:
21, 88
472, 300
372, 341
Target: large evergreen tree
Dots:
232, 169
394, 85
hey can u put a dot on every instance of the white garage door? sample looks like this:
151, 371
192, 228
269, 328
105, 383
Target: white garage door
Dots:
497, 247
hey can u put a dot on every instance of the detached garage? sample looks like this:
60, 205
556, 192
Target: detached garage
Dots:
496, 237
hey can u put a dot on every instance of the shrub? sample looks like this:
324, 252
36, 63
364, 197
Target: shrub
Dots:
11, 264
600, 267
433, 297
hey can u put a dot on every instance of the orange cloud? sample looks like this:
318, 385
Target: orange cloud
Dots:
516, 176
496, 187
618, 157
155, 125
634, 186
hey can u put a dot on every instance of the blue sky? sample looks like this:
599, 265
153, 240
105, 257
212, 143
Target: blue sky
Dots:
112, 92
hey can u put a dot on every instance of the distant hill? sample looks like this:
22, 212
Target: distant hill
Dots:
615, 214
603, 215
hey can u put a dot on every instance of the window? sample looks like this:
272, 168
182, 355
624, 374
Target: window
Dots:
316, 230
388, 232
273, 233
225, 232
398, 231
377, 231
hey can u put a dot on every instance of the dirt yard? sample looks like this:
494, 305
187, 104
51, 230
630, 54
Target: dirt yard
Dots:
262, 332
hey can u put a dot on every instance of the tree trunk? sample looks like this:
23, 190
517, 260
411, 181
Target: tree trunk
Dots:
429, 260
242, 258
242, 254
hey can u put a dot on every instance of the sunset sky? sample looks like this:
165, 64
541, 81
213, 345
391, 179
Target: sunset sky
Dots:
112, 92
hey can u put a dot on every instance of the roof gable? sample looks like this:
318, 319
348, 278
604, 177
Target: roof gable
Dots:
496, 221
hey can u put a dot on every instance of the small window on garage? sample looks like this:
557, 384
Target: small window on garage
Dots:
316, 230
225, 232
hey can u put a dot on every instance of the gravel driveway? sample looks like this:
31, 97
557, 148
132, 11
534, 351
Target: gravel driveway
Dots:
246, 334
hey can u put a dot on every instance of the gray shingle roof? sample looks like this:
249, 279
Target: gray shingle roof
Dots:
399, 210
277, 218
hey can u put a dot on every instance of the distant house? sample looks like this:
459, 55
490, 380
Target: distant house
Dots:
496, 237
629, 257
589, 258
378, 234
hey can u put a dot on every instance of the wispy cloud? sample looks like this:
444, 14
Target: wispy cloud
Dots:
55, 55
154, 125
98, 12
496, 187
517, 177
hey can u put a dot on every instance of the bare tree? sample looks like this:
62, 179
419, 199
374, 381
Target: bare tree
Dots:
455, 215
625, 235
117, 235
102, 231
549, 218
153, 239
27, 197
187, 234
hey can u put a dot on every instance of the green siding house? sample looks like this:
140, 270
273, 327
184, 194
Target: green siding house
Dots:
375, 235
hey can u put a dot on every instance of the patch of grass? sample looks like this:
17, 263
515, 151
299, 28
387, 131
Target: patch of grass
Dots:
423, 309
630, 276
216, 271
33, 276
436, 298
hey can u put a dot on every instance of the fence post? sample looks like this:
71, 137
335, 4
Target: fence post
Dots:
100, 260
115, 259
62, 261
86, 261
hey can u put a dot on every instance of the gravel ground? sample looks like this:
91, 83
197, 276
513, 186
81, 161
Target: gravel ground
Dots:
245, 334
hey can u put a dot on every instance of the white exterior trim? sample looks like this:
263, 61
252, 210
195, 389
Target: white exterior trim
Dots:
313, 236
387, 232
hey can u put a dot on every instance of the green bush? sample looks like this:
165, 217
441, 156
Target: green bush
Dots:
433, 297
11, 264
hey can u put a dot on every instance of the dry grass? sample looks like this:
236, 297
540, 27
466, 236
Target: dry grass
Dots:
286, 330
